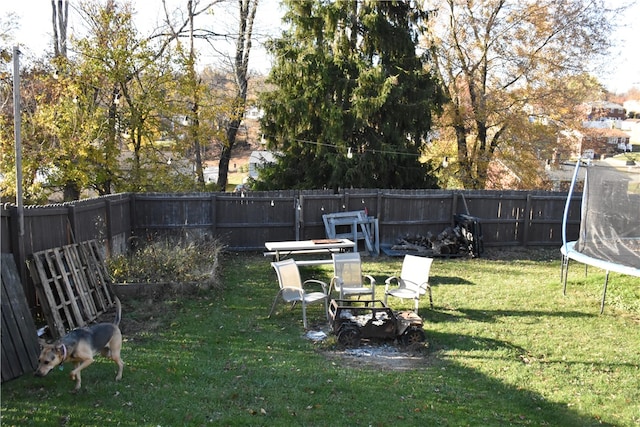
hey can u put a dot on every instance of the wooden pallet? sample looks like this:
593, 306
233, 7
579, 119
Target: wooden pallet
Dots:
72, 284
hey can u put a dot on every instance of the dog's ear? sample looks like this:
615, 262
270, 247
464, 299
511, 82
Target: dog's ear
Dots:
44, 343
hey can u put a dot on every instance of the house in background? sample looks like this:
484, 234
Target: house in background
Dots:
604, 131
603, 141
257, 159
632, 127
210, 174
603, 110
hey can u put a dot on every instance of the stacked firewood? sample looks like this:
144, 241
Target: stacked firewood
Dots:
452, 241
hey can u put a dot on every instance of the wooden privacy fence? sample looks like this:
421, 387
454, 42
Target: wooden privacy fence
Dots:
509, 218
513, 218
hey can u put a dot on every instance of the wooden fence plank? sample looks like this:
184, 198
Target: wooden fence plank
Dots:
19, 336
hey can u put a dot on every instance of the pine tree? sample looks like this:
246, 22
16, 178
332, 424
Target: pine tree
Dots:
353, 100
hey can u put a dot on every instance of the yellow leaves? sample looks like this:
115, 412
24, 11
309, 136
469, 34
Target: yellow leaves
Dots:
261, 411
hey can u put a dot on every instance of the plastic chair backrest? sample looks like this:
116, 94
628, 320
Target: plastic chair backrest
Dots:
289, 279
415, 271
348, 267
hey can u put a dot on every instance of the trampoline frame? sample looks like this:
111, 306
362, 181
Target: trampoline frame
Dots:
568, 252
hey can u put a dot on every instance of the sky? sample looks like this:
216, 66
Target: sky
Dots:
622, 71
35, 28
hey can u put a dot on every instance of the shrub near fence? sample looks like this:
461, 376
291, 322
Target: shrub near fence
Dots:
245, 222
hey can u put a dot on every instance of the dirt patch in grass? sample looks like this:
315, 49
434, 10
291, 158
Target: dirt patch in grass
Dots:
142, 316
530, 254
386, 356
147, 315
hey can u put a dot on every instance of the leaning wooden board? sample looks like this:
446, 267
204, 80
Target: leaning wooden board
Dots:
20, 346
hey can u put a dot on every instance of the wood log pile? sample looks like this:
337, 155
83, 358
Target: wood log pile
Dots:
452, 241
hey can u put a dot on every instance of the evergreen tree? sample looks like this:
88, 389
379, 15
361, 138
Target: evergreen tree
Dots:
353, 100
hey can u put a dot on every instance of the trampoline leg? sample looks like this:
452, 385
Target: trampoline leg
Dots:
604, 292
563, 274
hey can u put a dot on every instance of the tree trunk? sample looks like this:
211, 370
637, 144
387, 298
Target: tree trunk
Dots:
59, 21
71, 191
241, 66
225, 155
195, 125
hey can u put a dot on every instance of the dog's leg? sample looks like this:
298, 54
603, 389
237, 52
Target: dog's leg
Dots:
75, 374
114, 354
115, 345
120, 363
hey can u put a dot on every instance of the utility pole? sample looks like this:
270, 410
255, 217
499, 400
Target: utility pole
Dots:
17, 122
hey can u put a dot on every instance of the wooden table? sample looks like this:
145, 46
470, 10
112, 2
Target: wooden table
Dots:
280, 250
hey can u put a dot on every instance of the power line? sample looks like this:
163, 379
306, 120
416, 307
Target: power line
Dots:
366, 150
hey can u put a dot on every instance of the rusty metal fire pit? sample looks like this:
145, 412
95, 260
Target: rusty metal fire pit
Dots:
353, 320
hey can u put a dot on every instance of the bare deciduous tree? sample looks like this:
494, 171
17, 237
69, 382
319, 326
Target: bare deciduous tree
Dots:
60, 20
499, 58
247, 13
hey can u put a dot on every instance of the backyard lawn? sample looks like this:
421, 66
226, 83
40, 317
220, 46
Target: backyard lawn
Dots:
504, 347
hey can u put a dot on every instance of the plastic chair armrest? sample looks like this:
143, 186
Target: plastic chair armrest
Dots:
387, 283
317, 282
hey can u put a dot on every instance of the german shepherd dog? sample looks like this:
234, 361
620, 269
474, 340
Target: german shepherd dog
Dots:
80, 345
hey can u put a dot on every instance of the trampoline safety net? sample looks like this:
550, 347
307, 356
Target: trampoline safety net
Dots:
610, 214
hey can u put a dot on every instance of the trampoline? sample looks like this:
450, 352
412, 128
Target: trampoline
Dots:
609, 236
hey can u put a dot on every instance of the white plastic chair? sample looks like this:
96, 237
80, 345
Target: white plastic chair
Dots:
413, 281
292, 288
348, 279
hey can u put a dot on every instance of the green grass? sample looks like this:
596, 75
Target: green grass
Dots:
505, 347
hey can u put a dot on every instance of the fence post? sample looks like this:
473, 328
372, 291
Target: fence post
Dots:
72, 226
454, 206
527, 221
132, 219
213, 211
297, 206
17, 245
108, 222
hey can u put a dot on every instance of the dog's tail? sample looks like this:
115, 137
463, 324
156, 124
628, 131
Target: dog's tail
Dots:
116, 321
